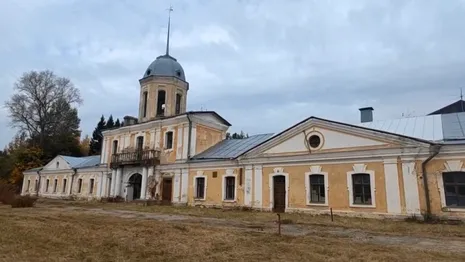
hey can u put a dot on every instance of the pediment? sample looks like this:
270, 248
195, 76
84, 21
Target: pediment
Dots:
331, 137
62, 164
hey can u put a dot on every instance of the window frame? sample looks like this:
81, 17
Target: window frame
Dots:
47, 185
28, 185
166, 140
455, 185
55, 185
361, 169
79, 186
65, 180
224, 184
200, 175
91, 185
177, 107
450, 166
316, 170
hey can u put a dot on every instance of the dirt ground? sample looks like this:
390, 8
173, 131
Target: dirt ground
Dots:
194, 234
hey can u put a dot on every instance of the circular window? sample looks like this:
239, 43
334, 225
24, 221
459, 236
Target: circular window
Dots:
314, 141
148, 71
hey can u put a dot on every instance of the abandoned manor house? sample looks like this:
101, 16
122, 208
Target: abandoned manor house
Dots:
394, 168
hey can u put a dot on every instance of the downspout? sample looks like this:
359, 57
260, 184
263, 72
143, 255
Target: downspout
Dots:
434, 151
38, 183
72, 180
189, 138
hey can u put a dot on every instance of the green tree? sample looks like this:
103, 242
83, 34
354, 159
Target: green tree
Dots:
241, 135
110, 123
117, 123
96, 142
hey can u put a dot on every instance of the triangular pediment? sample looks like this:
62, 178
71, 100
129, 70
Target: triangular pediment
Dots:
58, 163
327, 136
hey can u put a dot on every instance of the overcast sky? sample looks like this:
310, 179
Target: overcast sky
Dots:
263, 65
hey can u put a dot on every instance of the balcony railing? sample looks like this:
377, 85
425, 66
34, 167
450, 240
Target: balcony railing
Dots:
138, 157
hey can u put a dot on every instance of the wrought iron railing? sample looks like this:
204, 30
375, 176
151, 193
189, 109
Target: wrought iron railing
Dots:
138, 157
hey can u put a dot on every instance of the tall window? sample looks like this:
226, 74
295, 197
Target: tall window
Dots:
91, 186
145, 104
28, 185
161, 100
178, 103
36, 185
230, 188
361, 189
55, 184
115, 147
46, 185
64, 185
317, 188
169, 140
140, 143
58, 164
200, 187
454, 188
79, 185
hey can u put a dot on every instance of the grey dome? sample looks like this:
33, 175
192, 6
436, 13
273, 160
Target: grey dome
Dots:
165, 65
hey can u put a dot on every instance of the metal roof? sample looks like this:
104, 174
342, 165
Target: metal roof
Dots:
231, 148
435, 128
82, 162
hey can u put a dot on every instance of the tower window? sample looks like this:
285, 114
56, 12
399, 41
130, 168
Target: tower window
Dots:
145, 103
178, 73
161, 100
178, 104
148, 72
169, 140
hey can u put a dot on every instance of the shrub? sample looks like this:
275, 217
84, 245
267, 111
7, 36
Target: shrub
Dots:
112, 199
7, 193
23, 201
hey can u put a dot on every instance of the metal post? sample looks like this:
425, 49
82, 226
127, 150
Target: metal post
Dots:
331, 209
279, 224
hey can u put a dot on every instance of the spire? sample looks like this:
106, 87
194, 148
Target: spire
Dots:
169, 25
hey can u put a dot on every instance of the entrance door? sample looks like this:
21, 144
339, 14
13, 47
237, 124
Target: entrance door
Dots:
167, 189
135, 182
279, 194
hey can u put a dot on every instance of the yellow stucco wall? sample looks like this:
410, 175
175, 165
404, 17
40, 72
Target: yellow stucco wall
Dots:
168, 156
206, 137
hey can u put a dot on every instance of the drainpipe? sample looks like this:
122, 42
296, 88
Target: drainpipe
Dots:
38, 183
434, 151
189, 137
72, 180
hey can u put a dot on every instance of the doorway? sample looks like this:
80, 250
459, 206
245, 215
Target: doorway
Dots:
167, 190
279, 194
135, 182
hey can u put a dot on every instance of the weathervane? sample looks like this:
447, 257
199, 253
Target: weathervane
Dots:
169, 25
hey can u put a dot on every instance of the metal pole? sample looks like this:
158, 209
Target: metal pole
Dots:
279, 224
331, 209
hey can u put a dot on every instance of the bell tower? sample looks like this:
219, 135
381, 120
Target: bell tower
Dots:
163, 88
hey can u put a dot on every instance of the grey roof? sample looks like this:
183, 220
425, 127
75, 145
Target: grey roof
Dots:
81, 162
165, 65
231, 148
435, 128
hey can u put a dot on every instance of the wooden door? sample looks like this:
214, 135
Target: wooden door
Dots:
167, 190
279, 194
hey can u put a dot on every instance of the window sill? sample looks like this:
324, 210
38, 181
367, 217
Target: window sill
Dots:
453, 209
229, 201
317, 204
362, 206
199, 199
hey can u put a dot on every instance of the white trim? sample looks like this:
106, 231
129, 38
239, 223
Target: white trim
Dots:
229, 173
391, 178
411, 193
257, 184
200, 175
279, 171
179, 135
449, 166
184, 184
316, 170
177, 185
357, 169
193, 140
248, 186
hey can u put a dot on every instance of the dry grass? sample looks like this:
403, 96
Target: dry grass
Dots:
386, 226
44, 234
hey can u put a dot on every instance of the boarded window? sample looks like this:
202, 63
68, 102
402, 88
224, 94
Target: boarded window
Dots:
230, 188
200, 187
361, 189
317, 188
91, 186
454, 188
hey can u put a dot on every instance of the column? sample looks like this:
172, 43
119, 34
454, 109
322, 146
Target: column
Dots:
184, 185
391, 178
258, 187
119, 174
248, 186
143, 187
113, 182
104, 149
158, 179
177, 185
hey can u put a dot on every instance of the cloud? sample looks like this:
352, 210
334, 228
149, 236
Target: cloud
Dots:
272, 62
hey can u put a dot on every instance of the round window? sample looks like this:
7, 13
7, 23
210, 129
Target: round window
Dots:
314, 141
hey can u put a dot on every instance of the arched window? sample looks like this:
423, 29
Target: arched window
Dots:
145, 96
178, 104
161, 102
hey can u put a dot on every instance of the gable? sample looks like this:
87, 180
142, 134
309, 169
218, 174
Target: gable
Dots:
62, 164
332, 137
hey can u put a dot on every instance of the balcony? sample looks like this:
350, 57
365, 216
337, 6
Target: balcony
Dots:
138, 157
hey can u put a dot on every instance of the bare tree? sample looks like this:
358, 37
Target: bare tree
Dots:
35, 106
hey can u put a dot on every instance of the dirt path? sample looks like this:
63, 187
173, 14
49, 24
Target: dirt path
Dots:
421, 243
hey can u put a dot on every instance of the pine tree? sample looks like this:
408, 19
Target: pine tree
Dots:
117, 123
110, 123
96, 142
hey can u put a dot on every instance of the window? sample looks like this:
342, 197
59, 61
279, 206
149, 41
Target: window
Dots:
145, 104
314, 141
58, 165
115, 147
46, 185
230, 188
55, 183
91, 186
140, 143
361, 189
64, 185
37, 185
200, 187
161, 103
215, 174
178, 103
28, 185
454, 188
79, 185
317, 189
169, 140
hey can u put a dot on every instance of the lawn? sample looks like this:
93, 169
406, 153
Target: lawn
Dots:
60, 233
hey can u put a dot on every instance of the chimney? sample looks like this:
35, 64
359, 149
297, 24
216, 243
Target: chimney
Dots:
366, 114
130, 120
